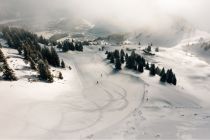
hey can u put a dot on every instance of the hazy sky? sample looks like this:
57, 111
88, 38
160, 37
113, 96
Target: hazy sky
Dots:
128, 13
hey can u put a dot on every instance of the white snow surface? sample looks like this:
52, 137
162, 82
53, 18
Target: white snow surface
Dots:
124, 105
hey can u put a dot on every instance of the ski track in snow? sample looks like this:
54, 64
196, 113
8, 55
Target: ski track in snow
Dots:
91, 113
123, 103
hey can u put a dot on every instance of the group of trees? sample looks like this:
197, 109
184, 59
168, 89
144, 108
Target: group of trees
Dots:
44, 41
138, 63
8, 73
72, 46
43, 69
168, 77
135, 62
51, 56
116, 57
28, 45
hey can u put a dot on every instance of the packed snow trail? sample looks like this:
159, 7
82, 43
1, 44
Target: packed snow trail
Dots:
108, 97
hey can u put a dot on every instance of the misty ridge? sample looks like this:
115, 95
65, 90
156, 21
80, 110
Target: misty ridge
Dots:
165, 23
126, 15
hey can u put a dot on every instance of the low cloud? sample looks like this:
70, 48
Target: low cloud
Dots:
128, 14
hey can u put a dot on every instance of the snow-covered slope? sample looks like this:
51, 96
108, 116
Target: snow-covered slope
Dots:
124, 105
198, 45
169, 112
64, 109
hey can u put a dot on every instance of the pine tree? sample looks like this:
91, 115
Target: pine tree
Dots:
143, 61
122, 53
55, 58
147, 66
174, 81
109, 54
112, 58
60, 76
71, 46
80, 47
47, 55
2, 57
149, 49
116, 54
157, 49
26, 53
138, 58
8, 73
140, 68
169, 76
133, 54
118, 64
126, 57
130, 63
162, 72
44, 72
163, 78
65, 46
157, 71
63, 64
122, 59
152, 70
32, 64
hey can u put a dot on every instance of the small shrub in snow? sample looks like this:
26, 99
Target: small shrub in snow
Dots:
157, 49
60, 76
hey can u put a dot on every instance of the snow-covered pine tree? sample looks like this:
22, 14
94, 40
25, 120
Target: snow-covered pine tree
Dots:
44, 72
63, 64
55, 58
8, 73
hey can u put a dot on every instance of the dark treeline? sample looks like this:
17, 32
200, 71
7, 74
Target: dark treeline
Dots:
27, 44
138, 63
8, 73
72, 46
